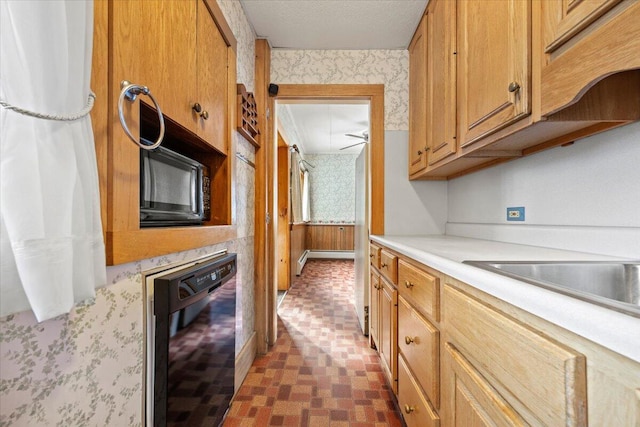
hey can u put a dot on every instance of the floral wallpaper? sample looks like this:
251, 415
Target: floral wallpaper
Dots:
85, 368
389, 67
332, 187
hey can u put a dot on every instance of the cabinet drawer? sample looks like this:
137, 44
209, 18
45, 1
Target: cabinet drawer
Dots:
543, 379
421, 288
418, 341
413, 404
374, 255
389, 266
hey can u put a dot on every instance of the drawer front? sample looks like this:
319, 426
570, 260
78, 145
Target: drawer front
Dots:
418, 341
374, 255
389, 266
545, 380
421, 288
413, 404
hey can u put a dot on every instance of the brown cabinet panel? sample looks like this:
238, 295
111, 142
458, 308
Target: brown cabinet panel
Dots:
330, 237
374, 255
544, 380
389, 265
414, 406
211, 82
374, 307
441, 74
387, 332
421, 288
471, 401
418, 97
419, 342
493, 66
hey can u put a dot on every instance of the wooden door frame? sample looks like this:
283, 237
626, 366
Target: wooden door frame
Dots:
374, 93
266, 279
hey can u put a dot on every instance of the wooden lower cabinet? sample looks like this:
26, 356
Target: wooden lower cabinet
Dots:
374, 308
387, 332
471, 401
414, 405
465, 358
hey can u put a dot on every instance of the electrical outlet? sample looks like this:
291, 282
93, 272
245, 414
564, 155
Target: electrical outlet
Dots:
515, 214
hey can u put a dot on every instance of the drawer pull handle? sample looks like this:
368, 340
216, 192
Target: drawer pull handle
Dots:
408, 284
408, 340
371, 255
383, 265
409, 409
513, 87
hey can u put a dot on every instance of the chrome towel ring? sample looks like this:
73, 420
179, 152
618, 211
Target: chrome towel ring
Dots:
130, 91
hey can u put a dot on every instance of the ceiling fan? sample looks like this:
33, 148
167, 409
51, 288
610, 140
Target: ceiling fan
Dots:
364, 136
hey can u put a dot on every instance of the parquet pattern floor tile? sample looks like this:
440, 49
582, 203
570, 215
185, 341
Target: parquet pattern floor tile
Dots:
321, 370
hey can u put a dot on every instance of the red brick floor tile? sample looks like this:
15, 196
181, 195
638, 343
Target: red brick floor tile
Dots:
321, 370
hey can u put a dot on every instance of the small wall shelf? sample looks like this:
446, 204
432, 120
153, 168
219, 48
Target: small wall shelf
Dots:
247, 115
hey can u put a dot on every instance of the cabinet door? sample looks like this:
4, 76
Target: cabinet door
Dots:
374, 308
211, 81
565, 18
470, 400
493, 66
418, 99
441, 72
388, 348
154, 44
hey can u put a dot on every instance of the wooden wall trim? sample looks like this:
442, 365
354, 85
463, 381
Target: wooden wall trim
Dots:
221, 23
262, 77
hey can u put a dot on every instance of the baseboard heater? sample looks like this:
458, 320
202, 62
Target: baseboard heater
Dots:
321, 255
301, 262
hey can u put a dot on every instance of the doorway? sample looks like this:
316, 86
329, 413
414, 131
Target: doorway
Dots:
374, 94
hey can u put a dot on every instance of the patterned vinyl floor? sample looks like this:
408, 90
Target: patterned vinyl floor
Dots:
321, 371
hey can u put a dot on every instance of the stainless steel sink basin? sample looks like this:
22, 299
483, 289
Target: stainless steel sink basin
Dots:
610, 284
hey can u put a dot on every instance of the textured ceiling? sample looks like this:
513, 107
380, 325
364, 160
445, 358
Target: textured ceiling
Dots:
322, 127
335, 24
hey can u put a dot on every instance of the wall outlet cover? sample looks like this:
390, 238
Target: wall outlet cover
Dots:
515, 214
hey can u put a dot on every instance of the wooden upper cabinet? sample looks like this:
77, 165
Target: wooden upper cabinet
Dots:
565, 18
584, 43
211, 81
418, 99
441, 69
154, 48
493, 66
184, 52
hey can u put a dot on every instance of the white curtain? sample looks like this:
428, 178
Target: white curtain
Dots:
51, 238
306, 208
296, 189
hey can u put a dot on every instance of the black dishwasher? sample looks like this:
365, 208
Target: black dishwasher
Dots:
195, 327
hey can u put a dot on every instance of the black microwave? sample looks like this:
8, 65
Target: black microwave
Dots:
174, 189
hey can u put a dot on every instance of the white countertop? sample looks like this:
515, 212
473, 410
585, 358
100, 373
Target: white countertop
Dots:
616, 331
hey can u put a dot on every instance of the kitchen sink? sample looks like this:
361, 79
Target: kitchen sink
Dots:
615, 285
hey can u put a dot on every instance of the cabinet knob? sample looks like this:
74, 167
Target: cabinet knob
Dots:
419, 152
426, 149
409, 409
408, 340
408, 284
371, 255
204, 114
514, 87
383, 265
197, 108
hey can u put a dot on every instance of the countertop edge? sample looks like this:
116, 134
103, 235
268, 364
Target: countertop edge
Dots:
590, 321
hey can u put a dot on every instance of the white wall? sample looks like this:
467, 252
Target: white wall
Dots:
410, 207
585, 197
